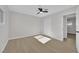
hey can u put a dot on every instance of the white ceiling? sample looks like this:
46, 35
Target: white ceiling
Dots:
32, 9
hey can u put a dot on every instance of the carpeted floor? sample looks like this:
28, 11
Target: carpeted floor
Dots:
31, 45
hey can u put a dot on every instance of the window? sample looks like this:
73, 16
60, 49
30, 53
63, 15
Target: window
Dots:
1, 16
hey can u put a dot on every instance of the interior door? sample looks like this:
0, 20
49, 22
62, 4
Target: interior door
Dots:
77, 29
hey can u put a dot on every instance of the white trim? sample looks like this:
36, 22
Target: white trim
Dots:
21, 37
17, 37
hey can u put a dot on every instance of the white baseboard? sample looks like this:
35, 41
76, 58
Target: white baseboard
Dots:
17, 37
20, 37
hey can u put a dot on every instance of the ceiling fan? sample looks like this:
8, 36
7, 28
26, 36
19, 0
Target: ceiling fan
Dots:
41, 10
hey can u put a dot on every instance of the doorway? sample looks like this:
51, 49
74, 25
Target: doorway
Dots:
71, 27
69, 30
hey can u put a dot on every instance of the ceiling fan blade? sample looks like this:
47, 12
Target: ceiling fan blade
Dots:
45, 11
38, 12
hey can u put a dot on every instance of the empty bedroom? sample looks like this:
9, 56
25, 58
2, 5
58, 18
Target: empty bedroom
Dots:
39, 28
